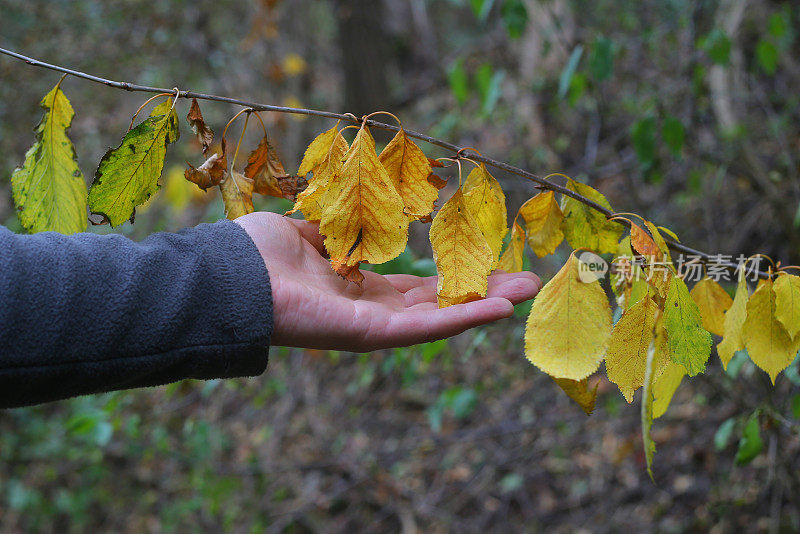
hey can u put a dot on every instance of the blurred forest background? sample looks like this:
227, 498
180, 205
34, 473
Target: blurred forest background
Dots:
683, 111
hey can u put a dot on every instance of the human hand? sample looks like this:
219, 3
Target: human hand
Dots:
313, 307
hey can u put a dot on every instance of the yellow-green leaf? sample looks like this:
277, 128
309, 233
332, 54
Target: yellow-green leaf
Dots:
626, 359
237, 195
713, 302
129, 174
787, 302
462, 255
665, 386
49, 189
484, 198
578, 390
568, 326
543, 220
732, 339
409, 169
363, 219
767, 341
585, 227
511, 259
689, 342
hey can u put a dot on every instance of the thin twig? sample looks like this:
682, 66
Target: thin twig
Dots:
542, 182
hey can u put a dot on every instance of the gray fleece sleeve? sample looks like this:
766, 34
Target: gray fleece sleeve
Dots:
88, 313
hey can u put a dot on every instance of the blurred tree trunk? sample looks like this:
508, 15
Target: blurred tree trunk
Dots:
365, 55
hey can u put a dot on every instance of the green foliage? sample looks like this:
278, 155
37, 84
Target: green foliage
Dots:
750, 444
459, 81
723, 434
672, 132
643, 137
565, 79
689, 342
717, 45
767, 56
601, 58
515, 17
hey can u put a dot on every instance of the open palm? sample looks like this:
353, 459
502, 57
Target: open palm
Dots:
315, 308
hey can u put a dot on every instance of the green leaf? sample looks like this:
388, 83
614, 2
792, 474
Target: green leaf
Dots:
718, 46
750, 444
585, 227
643, 135
673, 133
515, 17
689, 342
459, 83
778, 25
49, 189
601, 59
481, 8
565, 80
488, 82
129, 174
796, 406
767, 56
723, 434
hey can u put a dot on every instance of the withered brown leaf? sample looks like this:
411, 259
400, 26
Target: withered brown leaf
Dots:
203, 132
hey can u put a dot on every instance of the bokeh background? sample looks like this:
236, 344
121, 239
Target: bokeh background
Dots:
684, 111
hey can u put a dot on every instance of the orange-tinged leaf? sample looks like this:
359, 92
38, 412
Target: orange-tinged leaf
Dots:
237, 194
462, 255
713, 302
659, 241
511, 259
436, 181
578, 390
312, 200
787, 302
484, 198
363, 219
543, 219
264, 167
767, 341
569, 325
318, 150
408, 168
643, 243
203, 132
732, 339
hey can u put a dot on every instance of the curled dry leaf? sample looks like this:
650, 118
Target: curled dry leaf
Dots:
264, 167
210, 173
437, 181
203, 132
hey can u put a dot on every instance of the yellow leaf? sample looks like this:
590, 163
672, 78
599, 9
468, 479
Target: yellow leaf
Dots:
665, 386
49, 189
511, 259
237, 194
543, 220
787, 302
408, 167
463, 258
732, 339
178, 192
484, 198
585, 227
568, 326
318, 150
312, 200
578, 390
713, 302
767, 341
363, 219
626, 359
689, 342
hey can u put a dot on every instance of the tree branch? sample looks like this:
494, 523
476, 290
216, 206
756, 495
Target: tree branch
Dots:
542, 182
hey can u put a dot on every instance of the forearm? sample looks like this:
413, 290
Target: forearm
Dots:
86, 313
